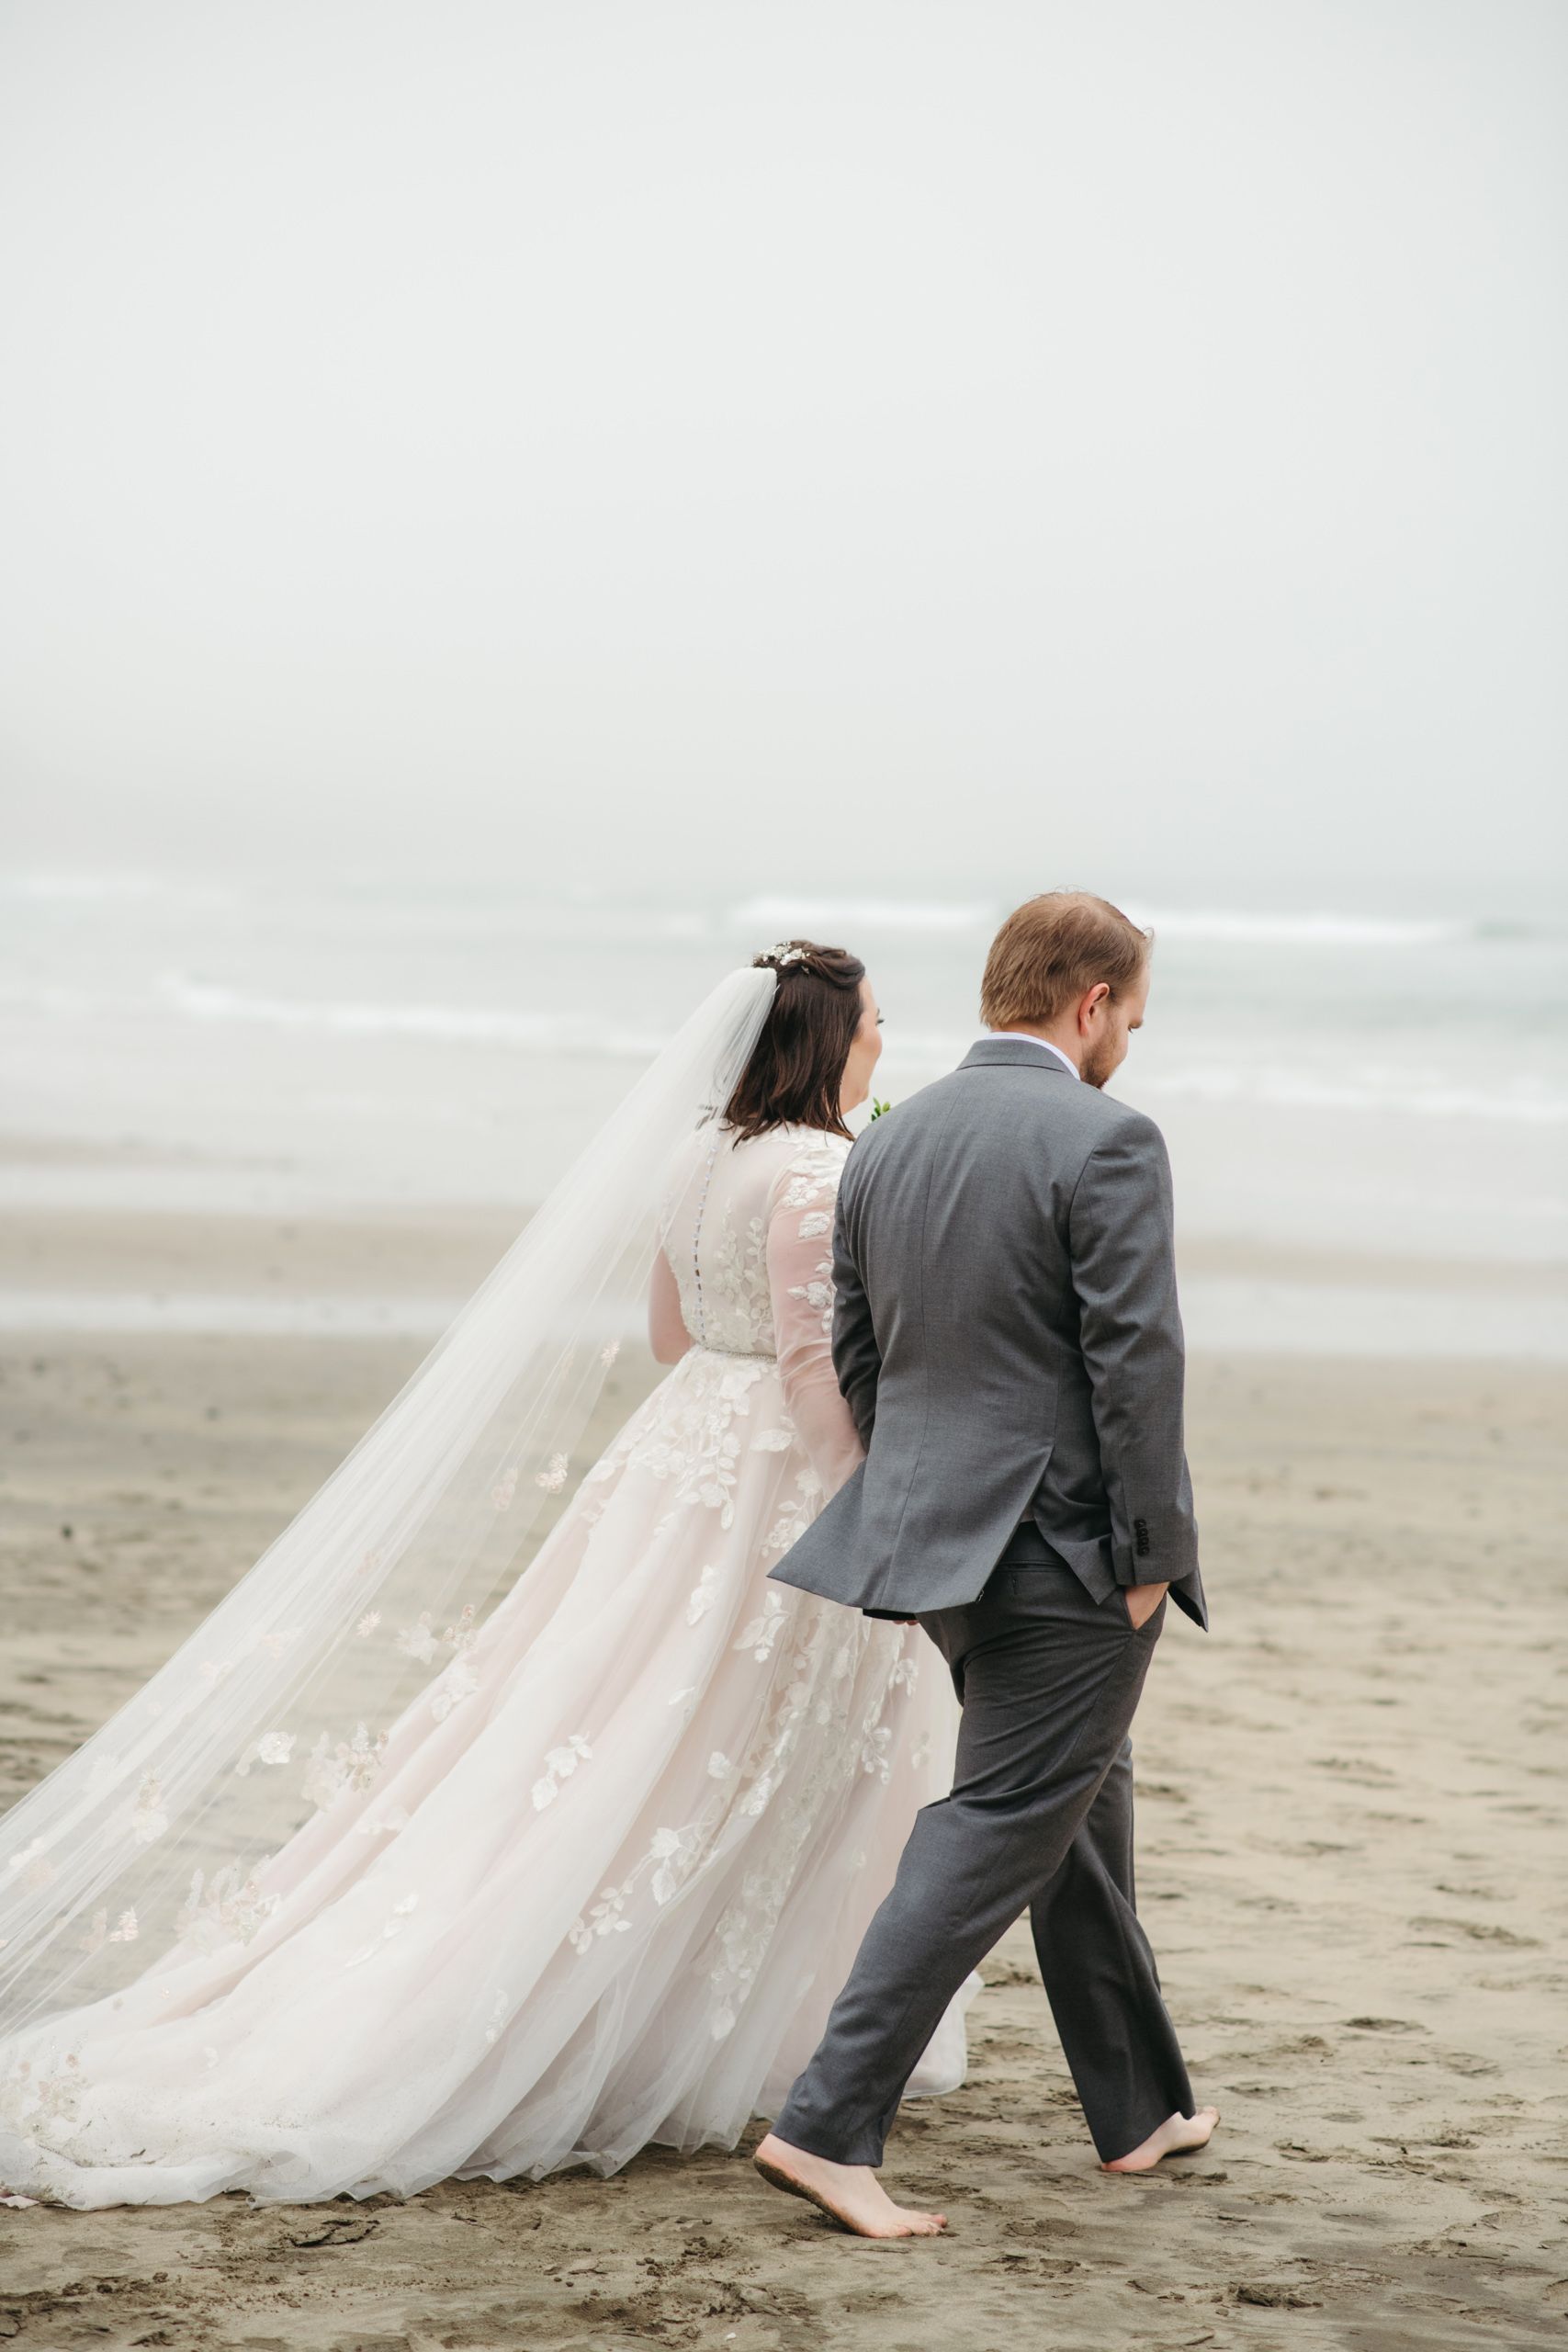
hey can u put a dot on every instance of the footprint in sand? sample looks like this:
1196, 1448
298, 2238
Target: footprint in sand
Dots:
1481, 1931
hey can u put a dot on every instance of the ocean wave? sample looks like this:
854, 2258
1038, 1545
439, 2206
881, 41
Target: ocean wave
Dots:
1217, 927
539, 1033
1523, 1099
1369, 1088
473, 905
1364, 1087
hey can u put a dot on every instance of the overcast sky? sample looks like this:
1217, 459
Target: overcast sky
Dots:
776, 438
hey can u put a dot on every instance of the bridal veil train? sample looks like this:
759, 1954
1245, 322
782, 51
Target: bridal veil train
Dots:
425, 1856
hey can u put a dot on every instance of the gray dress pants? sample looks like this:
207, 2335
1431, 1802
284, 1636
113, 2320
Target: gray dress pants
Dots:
1039, 1817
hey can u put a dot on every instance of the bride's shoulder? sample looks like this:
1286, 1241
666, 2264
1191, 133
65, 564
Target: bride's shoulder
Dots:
786, 1147
804, 1164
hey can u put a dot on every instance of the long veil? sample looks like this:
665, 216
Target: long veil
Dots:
169, 1833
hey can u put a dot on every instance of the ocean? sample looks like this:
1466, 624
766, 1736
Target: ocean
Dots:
1383, 1087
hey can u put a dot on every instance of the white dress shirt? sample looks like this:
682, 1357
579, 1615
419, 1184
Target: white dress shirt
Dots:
1043, 1042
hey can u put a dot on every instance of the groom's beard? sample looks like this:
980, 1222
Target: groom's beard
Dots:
1102, 1064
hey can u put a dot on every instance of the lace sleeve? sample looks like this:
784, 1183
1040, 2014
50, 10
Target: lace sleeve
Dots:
800, 1265
667, 1334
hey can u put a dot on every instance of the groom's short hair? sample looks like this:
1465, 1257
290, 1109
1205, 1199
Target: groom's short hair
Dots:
1052, 950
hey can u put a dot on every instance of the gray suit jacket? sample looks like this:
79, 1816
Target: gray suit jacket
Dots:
1007, 1334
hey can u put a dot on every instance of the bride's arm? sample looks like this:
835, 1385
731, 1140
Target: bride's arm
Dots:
667, 1332
800, 1265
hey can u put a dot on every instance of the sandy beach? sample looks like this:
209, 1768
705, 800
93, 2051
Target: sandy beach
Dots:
532, 532
1351, 1839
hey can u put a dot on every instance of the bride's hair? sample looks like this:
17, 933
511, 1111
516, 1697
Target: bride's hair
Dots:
796, 1069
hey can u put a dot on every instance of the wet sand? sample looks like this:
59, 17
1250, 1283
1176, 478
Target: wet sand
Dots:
1351, 1831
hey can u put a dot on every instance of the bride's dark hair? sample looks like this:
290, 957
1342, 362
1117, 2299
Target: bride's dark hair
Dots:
796, 1070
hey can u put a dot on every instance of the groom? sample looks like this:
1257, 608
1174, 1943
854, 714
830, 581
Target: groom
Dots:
1006, 1335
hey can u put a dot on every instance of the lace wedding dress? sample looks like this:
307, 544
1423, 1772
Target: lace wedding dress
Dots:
608, 1897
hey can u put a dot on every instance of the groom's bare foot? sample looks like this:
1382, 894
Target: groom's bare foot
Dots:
851, 2195
1178, 2134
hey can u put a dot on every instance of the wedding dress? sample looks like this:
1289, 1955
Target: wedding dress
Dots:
601, 1881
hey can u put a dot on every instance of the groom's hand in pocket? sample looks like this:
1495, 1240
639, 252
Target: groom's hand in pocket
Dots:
1142, 1600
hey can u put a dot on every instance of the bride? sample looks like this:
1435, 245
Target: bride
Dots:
597, 1878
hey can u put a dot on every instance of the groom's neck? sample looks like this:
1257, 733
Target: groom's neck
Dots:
1066, 1041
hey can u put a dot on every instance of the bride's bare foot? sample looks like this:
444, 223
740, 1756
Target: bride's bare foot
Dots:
1177, 2133
851, 2195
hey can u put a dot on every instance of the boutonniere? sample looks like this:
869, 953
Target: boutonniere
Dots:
877, 1107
